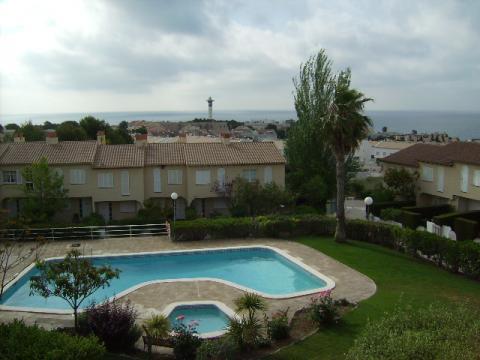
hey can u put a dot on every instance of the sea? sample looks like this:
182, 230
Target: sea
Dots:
464, 125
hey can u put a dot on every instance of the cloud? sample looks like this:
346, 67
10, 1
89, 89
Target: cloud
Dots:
244, 52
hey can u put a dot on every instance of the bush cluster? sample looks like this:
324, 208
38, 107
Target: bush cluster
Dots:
377, 207
392, 214
463, 256
324, 310
19, 341
278, 327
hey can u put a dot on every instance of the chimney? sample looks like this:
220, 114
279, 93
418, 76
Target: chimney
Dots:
101, 139
182, 138
19, 138
141, 139
52, 137
225, 138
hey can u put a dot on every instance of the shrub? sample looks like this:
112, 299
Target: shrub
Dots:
392, 214
246, 333
437, 332
378, 206
218, 349
411, 219
190, 213
323, 310
465, 229
93, 219
185, 340
277, 326
449, 218
158, 326
305, 209
428, 212
19, 341
113, 323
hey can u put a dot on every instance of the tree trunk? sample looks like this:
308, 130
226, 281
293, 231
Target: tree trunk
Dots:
340, 233
75, 314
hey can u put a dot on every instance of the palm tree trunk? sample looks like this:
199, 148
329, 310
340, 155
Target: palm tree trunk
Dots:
340, 233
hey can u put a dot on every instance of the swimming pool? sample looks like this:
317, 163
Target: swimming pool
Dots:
265, 270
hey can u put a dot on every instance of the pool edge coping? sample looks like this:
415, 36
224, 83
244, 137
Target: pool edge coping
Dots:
329, 283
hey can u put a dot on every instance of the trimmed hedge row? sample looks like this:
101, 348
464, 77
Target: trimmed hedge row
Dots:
428, 212
376, 208
452, 255
449, 218
465, 229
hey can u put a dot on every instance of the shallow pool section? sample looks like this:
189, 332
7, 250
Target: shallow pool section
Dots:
208, 319
265, 270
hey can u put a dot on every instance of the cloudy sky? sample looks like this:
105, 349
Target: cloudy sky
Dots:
134, 55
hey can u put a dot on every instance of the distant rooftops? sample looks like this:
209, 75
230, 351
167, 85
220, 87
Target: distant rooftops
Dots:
129, 155
461, 152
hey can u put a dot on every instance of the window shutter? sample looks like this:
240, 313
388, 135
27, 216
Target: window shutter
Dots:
464, 179
19, 177
267, 179
125, 182
157, 180
440, 179
221, 176
476, 178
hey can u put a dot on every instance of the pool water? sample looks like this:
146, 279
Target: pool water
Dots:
256, 268
208, 317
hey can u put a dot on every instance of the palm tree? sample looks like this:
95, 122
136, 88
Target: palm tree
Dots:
344, 127
251, 303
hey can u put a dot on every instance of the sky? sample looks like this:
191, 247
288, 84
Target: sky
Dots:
145, 55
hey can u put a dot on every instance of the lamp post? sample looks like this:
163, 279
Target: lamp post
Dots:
368, 201
174, 197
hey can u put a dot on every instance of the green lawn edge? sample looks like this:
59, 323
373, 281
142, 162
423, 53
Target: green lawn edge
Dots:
400, 279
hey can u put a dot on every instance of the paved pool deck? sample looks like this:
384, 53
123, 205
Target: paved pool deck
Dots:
153, 298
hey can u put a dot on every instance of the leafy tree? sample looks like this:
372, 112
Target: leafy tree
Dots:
92, 125
12, 127
73, 279
71, 131
401, 182
120, 135
141, 130
48, 125
44, 192
337, 112
32, 132
271, 127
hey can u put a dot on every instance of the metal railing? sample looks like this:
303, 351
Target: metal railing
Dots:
85, 232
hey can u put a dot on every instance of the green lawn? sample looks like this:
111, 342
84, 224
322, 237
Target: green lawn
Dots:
398, 278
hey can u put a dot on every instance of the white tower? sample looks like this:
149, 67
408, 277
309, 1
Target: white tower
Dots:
210, 107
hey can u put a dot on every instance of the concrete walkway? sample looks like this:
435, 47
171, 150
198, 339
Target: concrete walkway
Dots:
150, 299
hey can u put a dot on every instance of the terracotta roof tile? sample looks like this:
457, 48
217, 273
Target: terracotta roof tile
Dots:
119, 156
65, 152
165, 154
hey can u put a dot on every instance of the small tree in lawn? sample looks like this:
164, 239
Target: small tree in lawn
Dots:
401, 182
44, 192
73, 279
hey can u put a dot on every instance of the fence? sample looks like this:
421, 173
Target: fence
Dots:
86, 232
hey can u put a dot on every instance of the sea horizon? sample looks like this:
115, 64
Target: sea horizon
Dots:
462, 124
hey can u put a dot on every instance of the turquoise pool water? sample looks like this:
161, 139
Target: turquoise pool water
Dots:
257, 268
208, 317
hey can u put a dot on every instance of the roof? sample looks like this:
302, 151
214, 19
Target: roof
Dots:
119, 156
461, 152
63, 153
394, 145
131, 156
238, 153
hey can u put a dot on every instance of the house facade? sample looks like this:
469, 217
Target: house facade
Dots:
447, 174
115, 180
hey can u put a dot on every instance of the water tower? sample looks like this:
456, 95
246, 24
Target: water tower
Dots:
210, 107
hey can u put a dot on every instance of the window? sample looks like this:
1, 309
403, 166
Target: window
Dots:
250, 175
202, 177
77, 177
128, 207
174, 177
267, 175
9, 177
440, 179
476, 178
427, 173
125, 182
464, 178
221, 177
157, 180
105, 180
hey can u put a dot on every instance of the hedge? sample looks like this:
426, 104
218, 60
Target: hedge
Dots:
449, 218
465, 229
18, 341
463, 256
376, 208
428, 212
411, 219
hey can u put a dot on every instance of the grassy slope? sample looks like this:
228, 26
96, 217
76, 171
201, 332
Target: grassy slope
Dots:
397, 277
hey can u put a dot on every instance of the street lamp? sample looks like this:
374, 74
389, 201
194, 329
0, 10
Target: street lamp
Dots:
368, 201
174, 197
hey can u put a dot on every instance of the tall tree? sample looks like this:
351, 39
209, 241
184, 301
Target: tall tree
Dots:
337, 113
73, 279
32, 132
92, 125
44, 192
71, 131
